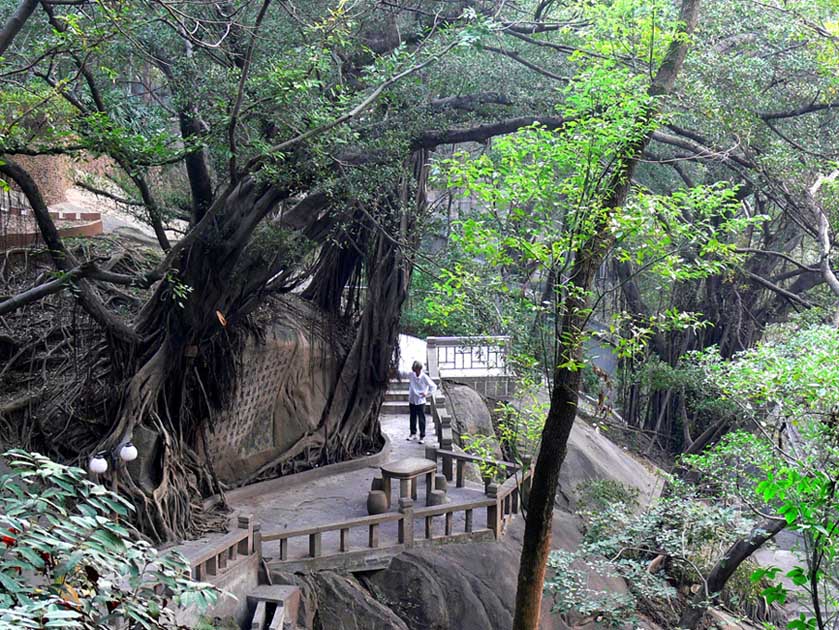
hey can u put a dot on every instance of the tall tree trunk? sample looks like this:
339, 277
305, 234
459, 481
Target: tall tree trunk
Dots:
573, 317
15, 23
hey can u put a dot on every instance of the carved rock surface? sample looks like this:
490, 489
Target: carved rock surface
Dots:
281, 392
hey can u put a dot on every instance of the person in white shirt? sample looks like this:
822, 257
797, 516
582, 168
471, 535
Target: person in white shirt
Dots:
420, 385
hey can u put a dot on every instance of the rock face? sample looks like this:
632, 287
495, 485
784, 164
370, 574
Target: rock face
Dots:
465, 587
282, 388
470, 415
592, 455
343, 605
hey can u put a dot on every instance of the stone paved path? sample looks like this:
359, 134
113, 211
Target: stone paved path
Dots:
339, 497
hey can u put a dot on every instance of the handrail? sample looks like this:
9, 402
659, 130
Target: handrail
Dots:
216, 557
501, 504
498, 463
463, 341
376, 519
439, 510
223, 543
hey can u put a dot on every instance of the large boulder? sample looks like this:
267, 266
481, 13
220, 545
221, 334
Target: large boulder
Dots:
593, 456
283, 383
473, 586
470, 414
342, 604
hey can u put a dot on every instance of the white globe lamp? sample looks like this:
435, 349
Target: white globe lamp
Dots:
128, 452
98, 463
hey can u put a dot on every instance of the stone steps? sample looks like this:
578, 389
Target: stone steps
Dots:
274, 607
399, 408
398, 396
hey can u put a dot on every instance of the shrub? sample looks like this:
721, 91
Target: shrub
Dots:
68, 559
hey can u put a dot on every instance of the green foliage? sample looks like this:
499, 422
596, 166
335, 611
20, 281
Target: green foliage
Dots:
538, 196
483, 446
521, 422
794, 370
800, 490
69, 561
789, 466
599, 494
684, 533
179, 291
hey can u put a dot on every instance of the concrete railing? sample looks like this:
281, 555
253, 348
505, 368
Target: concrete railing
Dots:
454, 464
480, 362
315, 534
502, 502
211, 561
481, 355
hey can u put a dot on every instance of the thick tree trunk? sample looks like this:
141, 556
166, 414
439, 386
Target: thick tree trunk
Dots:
725, 568
564, 397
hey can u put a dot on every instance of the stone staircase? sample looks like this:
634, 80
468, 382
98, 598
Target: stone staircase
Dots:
396, 399
274, 607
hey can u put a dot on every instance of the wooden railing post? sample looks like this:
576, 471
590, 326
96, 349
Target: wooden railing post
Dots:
406, 524
494, 511
314, 545
447, 467
246, 545
468, 527
461, 468
373, 539
283, 548
257, 539
345, 539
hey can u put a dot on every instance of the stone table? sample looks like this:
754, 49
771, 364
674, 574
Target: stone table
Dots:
406, 471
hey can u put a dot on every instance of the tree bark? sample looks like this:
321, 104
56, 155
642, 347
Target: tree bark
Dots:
16, 23
573, 317
725, 568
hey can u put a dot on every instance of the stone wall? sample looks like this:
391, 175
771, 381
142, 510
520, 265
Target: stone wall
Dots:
54, 173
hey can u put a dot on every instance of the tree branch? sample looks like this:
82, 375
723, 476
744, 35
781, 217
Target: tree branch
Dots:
481, 133
515, 56
62, 259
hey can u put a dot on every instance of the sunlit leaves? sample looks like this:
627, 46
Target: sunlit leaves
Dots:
794, 370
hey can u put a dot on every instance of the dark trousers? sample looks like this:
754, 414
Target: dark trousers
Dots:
417, 413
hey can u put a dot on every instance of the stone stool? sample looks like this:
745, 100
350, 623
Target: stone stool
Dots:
438, 497
376, 502
440, 482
